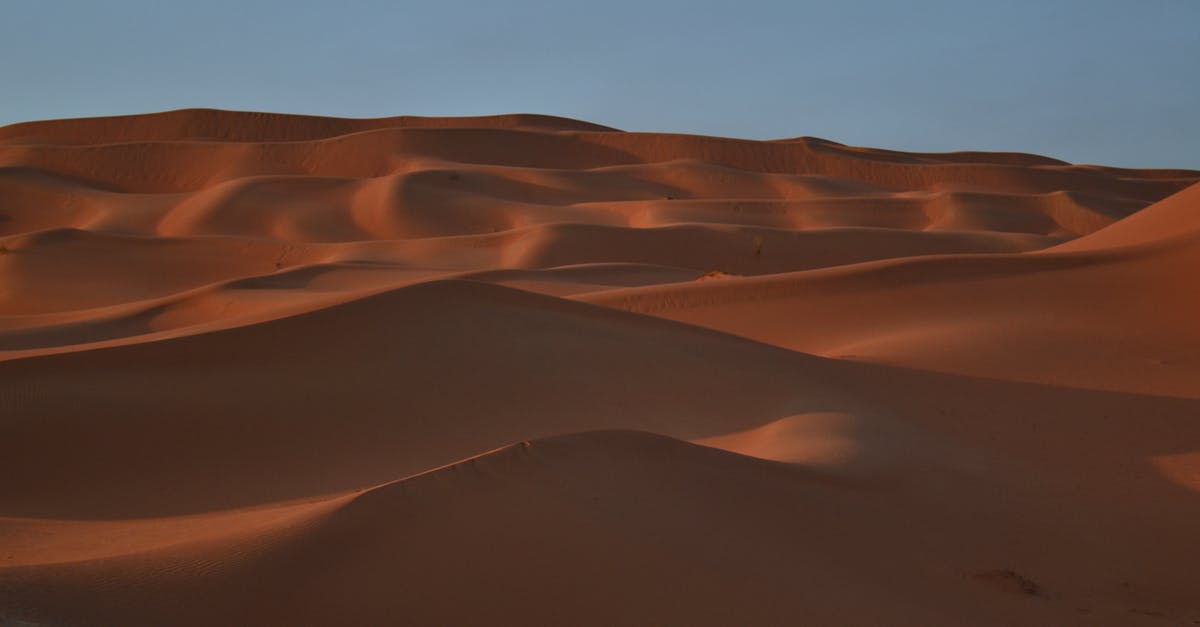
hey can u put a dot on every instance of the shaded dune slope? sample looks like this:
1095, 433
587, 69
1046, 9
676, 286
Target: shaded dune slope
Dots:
381, 375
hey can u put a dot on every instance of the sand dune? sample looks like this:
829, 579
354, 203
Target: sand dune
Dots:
247, 126
252, 366
1113, 310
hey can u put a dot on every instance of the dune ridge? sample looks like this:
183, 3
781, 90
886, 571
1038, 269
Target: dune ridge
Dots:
295, 370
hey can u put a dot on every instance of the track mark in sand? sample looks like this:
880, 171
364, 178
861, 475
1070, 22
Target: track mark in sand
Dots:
1009, 581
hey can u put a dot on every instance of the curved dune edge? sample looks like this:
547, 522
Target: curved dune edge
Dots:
1175, 218
249, 362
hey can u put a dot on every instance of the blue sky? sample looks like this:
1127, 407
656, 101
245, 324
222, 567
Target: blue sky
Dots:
1099, 81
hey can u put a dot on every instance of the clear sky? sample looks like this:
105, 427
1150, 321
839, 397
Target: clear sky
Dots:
1115, 82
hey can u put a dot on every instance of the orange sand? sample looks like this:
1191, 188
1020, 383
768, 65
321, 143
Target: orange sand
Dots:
251, 366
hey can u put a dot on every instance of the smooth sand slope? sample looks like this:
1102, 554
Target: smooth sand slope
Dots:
261, 369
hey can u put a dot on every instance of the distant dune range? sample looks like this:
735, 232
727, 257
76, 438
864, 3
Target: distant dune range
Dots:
263, 369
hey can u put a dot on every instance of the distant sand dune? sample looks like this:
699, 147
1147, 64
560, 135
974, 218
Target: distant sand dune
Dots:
265, 369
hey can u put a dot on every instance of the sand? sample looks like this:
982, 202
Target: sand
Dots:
263, 369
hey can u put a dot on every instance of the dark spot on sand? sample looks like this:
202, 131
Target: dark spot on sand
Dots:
1009, 581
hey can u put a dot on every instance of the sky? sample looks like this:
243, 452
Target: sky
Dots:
1091, 81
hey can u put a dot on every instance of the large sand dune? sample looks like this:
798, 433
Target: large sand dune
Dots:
252, 366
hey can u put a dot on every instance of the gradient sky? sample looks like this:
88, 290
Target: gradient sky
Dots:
1095, 81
